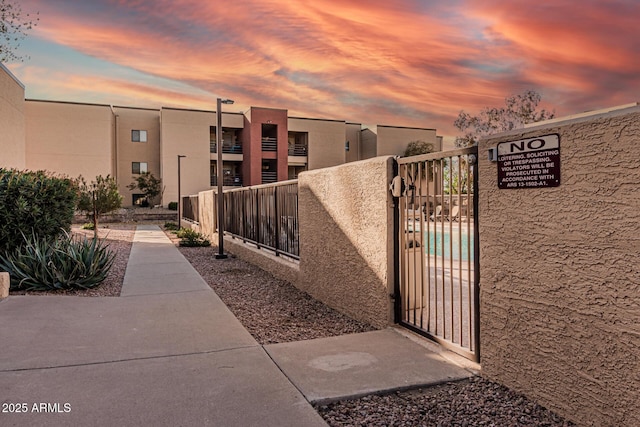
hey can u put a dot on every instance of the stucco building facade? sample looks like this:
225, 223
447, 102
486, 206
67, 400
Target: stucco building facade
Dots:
260, 145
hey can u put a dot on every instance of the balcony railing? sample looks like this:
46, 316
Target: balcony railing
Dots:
269, 177
227, 148
269, 144
227, 181
297, 150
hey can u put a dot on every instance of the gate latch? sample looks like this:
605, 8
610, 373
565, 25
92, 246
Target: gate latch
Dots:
397, 186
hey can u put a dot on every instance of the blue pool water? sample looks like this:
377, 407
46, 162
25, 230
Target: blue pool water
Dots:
452, 245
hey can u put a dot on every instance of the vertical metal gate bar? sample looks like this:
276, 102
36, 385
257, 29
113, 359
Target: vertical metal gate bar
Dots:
404, 264
476, 264
459, 240
427, 253
418, 209
452, 188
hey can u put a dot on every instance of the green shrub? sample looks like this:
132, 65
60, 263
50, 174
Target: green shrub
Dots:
63, 263
88, 226
192, 238
171, 226
34, 203
173, 206
99, 197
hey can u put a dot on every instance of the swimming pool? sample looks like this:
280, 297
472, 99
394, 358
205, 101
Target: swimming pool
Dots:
437, 240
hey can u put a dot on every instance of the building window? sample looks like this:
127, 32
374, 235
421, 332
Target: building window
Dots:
139, 135
138, 167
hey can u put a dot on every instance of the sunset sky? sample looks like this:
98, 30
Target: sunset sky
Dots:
395, 62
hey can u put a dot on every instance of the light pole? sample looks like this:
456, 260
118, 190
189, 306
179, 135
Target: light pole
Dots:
220, 177
179, 198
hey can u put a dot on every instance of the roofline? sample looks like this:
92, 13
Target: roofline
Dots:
404, 127
194, 110
316, 119
8, 71
68, 102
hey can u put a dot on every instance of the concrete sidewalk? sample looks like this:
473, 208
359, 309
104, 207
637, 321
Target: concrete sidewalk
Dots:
169, 352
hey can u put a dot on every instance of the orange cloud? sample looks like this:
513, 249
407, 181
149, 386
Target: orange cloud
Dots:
404, 62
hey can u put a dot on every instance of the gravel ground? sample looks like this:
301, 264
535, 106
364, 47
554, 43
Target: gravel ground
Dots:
474, 402
275, 311
271, 309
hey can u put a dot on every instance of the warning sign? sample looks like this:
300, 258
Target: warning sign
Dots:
529, 163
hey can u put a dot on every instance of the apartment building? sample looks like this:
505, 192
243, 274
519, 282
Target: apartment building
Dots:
260, 145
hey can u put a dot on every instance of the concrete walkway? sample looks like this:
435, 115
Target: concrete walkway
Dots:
168, 352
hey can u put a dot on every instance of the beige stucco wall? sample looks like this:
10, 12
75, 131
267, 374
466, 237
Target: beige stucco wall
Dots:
368, 143
70, 139
560, 283
354, 135
127, 151
346, 224
186, 133
393, 141
326, 140
12, 125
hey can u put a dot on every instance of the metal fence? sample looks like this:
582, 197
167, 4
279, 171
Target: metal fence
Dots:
439, 250
265, 215
190, 208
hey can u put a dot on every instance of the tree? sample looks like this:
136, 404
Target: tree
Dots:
99, 197
518, 111
14, 25
415, 148
149, 185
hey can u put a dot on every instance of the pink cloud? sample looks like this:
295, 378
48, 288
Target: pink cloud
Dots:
403, 62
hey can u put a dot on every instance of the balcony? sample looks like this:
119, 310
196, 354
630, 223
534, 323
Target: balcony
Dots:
227, 147
227, 181
269, 177
297, 150
269, 144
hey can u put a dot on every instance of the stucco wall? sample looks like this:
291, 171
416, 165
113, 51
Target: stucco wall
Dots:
326, 140
393, 140
185, 133
68, 138
12, 136
560, 283
346, 224
127, 151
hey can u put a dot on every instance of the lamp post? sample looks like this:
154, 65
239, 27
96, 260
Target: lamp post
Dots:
179, 198
220, 177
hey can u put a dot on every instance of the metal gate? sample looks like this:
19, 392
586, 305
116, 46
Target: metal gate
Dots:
437, 284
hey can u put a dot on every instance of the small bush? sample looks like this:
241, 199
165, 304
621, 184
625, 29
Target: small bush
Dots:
191, 238
173, 206
182, 232
88, 226
171, 226
34, 203
64, 263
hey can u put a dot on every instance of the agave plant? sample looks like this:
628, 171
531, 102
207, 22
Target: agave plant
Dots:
64, 263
